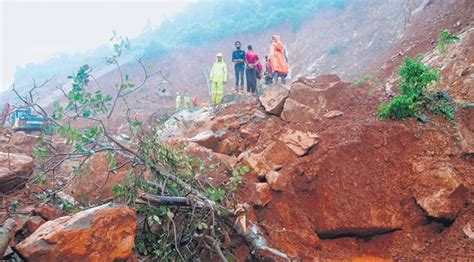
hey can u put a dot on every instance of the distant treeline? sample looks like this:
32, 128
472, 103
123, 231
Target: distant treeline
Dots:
199, 23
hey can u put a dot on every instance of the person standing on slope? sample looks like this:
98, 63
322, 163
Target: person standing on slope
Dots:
251, 61
218, 78
278, 59
238, 58
178, 101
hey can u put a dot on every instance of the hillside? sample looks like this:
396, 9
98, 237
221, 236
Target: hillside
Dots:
303, 172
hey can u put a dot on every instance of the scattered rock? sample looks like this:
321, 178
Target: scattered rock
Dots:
274, 99
468, 231
333, 114
206, 139
94, 184
104, 233
67, 198
263, 194
277, 181
47, 212
293, 111
34, 223
438, 190
230, 147
15, 169
24, 141
298, 141
273, 154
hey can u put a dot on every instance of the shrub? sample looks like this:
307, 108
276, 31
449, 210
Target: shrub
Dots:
446, 38
415, 93
400, 107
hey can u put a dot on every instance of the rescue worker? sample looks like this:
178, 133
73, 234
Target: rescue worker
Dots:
187, 101
178, 101
278, 59
218, 78
238, 58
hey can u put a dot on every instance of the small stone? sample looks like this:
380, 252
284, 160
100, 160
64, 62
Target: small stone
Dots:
34, 223
298, 141
333, 114
276, 180
264, 194
47, 212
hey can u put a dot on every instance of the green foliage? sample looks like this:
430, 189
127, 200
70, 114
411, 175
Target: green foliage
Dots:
401, 106
415, 94
440, 106
416, 76
204, 21
445, 38
361, 81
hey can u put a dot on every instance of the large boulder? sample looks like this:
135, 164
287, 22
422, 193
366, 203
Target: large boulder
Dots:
15, 169
274, 99
26, 143
272, 155
438, 189
294, 111
104, 233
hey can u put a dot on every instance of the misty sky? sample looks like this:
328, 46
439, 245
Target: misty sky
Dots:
32, 31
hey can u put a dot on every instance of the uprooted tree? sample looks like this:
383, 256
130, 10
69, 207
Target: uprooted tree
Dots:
194, 218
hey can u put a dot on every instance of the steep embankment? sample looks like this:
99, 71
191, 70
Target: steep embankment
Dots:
331, 181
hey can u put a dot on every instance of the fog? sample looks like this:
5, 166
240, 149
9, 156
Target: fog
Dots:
33, 31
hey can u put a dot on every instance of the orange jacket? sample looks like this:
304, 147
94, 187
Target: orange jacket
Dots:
277, 58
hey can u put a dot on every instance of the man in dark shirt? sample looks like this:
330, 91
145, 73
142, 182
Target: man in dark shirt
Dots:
238, 58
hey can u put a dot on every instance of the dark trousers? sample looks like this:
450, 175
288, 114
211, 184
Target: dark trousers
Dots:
239, 74
251, 74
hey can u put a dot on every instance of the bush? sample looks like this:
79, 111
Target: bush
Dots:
400, 107
415, 94
446, 38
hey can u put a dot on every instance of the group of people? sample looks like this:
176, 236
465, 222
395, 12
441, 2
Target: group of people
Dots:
248, 63
185, 102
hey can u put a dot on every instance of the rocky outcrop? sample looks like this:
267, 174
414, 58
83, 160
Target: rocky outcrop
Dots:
438, 190
274, 99
15, 169
104, 233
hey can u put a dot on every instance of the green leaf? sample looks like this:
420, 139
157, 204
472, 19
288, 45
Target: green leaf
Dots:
244, 170
169, 214
157, 219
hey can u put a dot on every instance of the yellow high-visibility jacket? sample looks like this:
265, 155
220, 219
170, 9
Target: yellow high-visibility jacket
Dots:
219, 72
